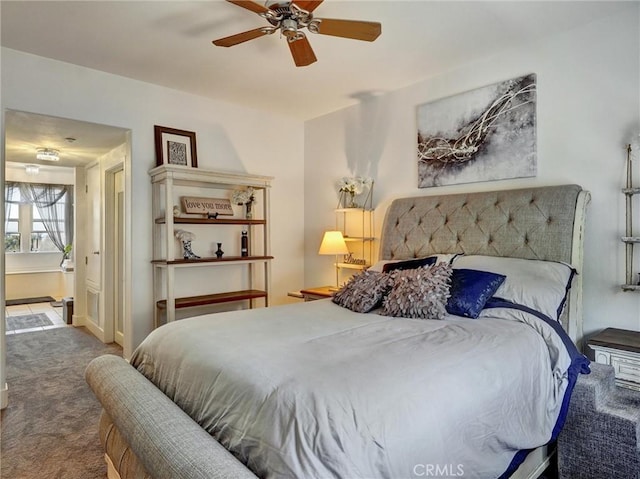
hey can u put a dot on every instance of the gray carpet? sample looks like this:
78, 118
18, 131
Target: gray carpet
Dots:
50, 428
27, 321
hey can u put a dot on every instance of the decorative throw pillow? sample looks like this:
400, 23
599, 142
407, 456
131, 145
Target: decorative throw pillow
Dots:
364, 291
470, 290
409, 264
537, 284
419, 293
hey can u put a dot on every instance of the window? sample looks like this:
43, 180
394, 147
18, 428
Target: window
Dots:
23, 219
12, 221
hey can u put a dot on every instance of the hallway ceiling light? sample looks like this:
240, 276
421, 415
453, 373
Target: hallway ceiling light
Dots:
31, 170
47, 154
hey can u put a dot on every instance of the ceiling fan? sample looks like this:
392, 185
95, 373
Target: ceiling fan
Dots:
290, 18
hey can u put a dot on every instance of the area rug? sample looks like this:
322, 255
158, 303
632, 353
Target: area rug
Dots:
50, 427
27, 321
40, 299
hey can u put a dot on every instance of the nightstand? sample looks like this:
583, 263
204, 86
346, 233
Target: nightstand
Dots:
620, 349
322, 292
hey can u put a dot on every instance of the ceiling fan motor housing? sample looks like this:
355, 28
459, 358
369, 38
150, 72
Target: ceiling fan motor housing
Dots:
289, 27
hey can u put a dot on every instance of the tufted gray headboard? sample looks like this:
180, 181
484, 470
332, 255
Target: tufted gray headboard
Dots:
535, 223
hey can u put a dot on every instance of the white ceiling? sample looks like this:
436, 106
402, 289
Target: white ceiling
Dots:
169, 43
79, 142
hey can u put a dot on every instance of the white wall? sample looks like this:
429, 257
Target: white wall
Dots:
228, 137
587, 106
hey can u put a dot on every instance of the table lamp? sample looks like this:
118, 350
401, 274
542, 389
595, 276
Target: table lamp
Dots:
333, 243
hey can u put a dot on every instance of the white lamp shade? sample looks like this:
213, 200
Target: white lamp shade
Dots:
333, 243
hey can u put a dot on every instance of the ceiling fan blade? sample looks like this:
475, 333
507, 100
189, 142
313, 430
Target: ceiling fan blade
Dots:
355, 29
308, 5
240, 37
253, 6
302, 52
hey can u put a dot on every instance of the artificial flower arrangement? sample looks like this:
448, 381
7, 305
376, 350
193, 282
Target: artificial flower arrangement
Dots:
354, 186
244, 197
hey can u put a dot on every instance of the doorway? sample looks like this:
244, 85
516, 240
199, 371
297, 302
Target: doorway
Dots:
96, 154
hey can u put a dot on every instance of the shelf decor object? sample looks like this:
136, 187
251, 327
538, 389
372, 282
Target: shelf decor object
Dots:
352, 187
333, 244
172, 265
245, 197
629, 239
175, 147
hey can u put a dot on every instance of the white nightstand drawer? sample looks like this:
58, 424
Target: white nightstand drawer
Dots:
621, 349
626, 368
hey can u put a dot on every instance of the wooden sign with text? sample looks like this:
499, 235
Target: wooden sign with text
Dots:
192, 204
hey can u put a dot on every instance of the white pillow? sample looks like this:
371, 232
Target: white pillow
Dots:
537, 284
441, 258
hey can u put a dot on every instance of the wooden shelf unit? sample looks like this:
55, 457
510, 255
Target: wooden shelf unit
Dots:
216, 298
167, 180
206, 221
357, 227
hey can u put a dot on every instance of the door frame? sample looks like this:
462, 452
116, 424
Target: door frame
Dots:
111, 253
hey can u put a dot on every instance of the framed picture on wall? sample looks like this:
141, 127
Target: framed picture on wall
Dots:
484, 134
175, 147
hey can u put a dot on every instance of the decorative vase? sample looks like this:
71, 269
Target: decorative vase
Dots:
219, 251
248, 214
351, 200
187, 252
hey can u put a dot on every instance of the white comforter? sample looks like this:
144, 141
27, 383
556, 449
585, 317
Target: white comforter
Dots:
313, 390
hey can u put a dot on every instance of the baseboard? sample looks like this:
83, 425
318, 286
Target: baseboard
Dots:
96, 330
4, 396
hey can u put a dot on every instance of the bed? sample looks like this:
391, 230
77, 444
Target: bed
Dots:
320, 390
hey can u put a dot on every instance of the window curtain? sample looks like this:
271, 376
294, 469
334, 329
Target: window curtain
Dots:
53, 212
10, 188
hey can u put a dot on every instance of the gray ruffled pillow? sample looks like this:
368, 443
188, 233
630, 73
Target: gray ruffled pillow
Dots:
364, 291
419, 293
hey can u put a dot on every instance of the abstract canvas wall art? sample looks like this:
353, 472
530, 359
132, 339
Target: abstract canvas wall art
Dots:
481, 135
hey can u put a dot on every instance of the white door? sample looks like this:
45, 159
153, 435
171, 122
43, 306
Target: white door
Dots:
93, 238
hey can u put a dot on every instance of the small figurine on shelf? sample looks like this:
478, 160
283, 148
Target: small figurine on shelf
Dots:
212, 216
245, 197
176, 211
219, 251
186, 237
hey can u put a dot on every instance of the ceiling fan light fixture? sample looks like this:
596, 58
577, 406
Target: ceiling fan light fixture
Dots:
47, 154
291, 18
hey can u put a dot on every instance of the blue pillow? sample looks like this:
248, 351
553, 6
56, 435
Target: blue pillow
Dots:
470, 290
410, 264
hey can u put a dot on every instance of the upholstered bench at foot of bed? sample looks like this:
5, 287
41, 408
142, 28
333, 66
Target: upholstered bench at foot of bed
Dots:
600, 436
146, 435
